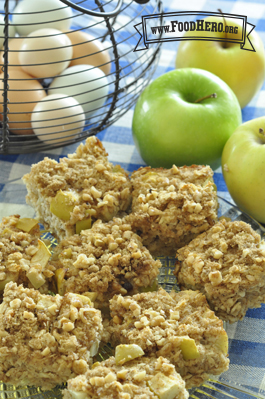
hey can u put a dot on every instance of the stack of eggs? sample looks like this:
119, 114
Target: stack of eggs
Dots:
56, 76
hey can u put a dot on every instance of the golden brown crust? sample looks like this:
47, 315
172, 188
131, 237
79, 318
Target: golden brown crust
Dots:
227, 264
45, 340
108, 259
109, 381
102, 190
172, 206
158, 322
17, 250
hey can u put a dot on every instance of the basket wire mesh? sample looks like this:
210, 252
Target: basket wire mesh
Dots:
130, 72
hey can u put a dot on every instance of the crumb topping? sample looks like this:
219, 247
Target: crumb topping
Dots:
134, 380
107, 259
226, 263
18, 255
172, 206
160, 322
44, 340
96, 188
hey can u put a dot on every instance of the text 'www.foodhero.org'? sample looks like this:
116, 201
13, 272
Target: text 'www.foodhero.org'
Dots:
199, 26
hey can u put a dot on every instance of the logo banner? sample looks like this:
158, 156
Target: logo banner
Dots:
193, 25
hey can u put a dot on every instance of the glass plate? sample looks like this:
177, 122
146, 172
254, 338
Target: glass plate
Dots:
245, 378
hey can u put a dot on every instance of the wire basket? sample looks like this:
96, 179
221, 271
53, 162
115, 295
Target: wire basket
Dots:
27, 127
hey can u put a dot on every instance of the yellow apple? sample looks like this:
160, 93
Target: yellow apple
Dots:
243, 165
242, 70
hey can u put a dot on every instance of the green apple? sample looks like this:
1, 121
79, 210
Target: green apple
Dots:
242, 70
243, 164
173, 122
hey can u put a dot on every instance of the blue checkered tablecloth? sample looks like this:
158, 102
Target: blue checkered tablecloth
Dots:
246, 338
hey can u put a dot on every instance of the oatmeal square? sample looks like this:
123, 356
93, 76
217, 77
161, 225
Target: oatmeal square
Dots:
106, 260
44, 339
179, 326
227, 264
172, 206
24, 256
69, 195
145, 377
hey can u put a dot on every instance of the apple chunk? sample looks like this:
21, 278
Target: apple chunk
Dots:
91, 295
78, 395
222, 343
59, 278
26, 224
41, 256
164, 387
37, 265
125, 353
63, 204
85, 299
84, 224
189, 349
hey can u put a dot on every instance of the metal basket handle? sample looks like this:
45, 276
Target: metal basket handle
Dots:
94, 13
141, 1
99, 13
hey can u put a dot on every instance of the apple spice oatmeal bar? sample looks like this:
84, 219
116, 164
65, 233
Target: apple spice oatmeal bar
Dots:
24, 257
172, 206
143, 378
105, 260
45, 340
178, 326
227, 264
69, 195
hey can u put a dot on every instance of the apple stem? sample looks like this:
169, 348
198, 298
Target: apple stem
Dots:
261, 131
225, 45
214, 95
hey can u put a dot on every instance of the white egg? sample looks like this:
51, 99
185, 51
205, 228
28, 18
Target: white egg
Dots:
32, 15
57, 119
45, 53
11, 30
87, 84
